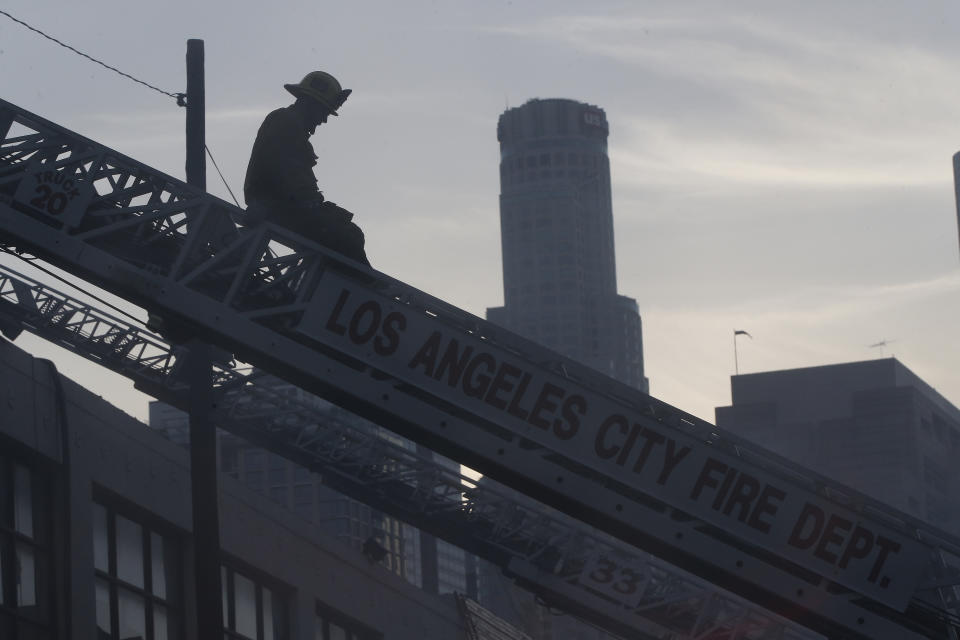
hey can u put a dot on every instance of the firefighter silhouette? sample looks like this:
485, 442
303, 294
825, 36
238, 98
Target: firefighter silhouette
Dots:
280, 185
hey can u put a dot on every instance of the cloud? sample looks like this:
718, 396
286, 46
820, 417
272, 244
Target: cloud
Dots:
662, 157
734, 97
823, 304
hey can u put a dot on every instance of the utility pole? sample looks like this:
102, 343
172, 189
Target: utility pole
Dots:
203, 435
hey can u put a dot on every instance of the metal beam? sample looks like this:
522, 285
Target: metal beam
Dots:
269, 295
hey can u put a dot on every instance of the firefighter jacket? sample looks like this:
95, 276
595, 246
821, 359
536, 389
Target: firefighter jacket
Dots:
280, 171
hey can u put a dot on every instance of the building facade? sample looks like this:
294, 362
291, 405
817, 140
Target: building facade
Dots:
873, 425
556, 229
95, 538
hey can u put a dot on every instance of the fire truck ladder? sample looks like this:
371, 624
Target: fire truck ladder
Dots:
565, 563
740, 517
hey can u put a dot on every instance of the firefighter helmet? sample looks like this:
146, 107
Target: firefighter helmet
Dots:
323, 88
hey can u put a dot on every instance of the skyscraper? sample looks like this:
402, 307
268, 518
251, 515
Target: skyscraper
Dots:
559, 279
556, 229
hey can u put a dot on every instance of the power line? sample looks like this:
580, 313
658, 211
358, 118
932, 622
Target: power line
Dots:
221, 176
179, 97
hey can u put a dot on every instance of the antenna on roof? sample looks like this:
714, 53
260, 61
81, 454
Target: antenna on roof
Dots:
880, 345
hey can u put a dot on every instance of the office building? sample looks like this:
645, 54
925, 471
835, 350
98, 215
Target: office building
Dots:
96, 542
873, 425
556, 228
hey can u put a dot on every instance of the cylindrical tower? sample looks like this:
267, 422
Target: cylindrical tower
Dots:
556, 229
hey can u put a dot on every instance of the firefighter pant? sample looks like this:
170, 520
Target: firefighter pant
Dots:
326, 224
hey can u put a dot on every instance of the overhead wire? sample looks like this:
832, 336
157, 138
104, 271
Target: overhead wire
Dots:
177, 96
181, 98
221, 176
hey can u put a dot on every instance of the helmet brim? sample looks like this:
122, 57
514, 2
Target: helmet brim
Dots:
300, 92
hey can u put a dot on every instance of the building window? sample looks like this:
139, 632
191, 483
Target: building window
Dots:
230, 459
137, 567
303, 500
252, 609
278, 470
25, 562
254, 464
332, 625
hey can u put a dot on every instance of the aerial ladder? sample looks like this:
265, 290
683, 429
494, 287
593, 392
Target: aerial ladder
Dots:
744, 519
563, 562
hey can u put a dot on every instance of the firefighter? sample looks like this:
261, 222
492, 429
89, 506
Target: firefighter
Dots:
280, 185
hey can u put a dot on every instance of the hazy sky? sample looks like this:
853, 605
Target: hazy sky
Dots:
778, 167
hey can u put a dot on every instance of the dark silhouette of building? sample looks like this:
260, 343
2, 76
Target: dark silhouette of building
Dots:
872, 425
556, 228
96, 542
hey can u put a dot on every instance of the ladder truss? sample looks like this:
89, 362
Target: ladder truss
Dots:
755, 524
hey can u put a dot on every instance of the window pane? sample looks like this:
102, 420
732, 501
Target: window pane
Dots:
160, 623
229, 460
254, 460
129, 551
279, 495
301, 474
245, 601
254, 480
303, 494
26, 577
158, 566
23, 501
278, 476
337, 632
131, 614
100, 541
267, 614
103, 606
